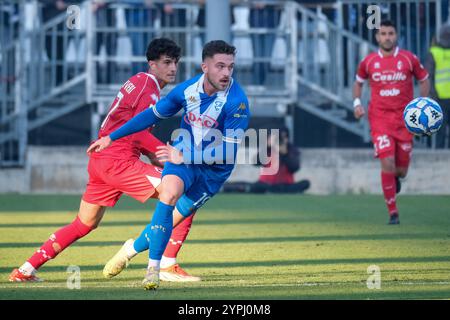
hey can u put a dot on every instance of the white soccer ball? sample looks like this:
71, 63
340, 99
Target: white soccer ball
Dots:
423, 116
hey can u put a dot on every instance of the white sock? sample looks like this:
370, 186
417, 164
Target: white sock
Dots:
129, 249
27, 269
167, 262
153, 264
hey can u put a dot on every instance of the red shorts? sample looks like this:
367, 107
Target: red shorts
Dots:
386, 145
110, 178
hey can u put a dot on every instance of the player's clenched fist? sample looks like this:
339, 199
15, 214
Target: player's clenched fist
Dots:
99, 145
359, 112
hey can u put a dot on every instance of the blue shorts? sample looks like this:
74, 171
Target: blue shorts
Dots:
200, 185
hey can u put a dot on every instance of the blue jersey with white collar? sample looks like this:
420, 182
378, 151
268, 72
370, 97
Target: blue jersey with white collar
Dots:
224, 115
212, 126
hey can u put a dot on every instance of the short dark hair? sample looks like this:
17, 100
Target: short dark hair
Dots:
215, 47
387, 23
163, 46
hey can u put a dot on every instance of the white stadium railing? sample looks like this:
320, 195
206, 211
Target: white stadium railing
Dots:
288, 54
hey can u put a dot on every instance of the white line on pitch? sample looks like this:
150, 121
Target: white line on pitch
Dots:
205, 284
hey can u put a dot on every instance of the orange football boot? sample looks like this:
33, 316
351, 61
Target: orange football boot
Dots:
17, 276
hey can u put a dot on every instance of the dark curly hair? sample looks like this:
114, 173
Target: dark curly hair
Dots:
387, 23
163, 46
215, 47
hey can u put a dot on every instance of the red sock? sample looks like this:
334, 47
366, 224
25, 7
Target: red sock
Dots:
179, 234
58, 241
388, 185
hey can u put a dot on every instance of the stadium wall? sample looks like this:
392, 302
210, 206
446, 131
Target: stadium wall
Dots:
331, 171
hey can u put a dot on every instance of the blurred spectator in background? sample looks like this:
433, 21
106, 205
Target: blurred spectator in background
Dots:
142, 15
53, 8
171, 15
438, 65
263, 16
283, 180
53, 42
10, 15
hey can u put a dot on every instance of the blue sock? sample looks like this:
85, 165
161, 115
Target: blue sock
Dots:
156, 235
143, 241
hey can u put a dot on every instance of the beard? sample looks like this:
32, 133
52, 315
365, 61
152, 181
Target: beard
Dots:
215, 85
388, 46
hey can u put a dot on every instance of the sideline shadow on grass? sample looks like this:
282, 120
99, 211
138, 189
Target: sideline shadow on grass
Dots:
145, 222
268, 293
361, 237
272, 263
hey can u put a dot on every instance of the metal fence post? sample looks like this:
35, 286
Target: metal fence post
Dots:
90, 47
339, 45
292, 67
22, 97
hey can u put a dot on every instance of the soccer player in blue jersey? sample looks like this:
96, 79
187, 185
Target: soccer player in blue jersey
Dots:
216, 114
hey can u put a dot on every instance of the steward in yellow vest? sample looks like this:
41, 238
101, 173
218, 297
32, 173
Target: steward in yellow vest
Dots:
441, 57
438, 65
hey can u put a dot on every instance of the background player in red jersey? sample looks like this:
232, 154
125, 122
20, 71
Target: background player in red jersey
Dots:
118, 170
390, 72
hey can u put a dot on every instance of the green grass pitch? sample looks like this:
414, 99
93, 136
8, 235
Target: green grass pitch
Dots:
245, 247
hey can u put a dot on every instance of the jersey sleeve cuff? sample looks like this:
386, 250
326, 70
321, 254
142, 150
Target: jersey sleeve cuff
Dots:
158, 114
359, 79
424, 78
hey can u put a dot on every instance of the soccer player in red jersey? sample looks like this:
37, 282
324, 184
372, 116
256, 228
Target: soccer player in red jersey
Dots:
390, 72
118, 170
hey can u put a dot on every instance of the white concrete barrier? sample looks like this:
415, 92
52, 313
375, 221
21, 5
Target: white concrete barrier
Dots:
355, 171
331, 171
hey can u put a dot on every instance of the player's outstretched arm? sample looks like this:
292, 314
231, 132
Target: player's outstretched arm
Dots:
138, 123
165, 108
